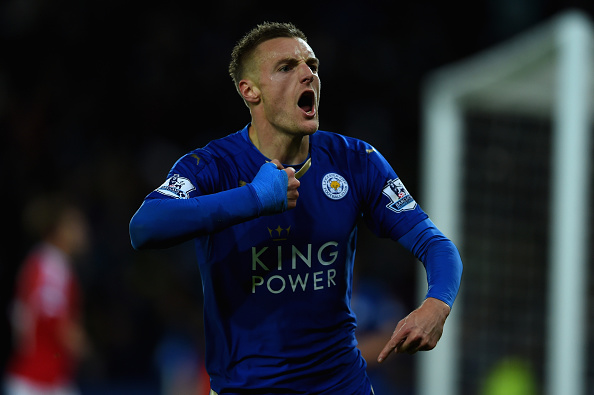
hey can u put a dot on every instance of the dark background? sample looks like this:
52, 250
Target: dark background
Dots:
99, 98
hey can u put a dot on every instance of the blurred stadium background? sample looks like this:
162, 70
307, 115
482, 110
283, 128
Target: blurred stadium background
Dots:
100, 98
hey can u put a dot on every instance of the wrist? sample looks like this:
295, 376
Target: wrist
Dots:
439, 305
256, 199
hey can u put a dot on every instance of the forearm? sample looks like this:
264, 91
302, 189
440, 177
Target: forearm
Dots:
161, 223
444, 270
439, 256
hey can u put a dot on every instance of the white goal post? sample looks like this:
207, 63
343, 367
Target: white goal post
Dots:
545, 73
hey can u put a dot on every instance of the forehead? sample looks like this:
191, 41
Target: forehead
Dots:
283, 47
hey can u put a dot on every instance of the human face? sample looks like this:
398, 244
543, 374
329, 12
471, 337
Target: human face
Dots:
289, 85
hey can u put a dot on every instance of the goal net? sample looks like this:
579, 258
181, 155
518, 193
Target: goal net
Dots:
506, 170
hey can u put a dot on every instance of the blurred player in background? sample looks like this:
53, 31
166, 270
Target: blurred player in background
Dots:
48, 336
273, 210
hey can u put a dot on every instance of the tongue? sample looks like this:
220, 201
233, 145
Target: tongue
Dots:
306, 107
305, 103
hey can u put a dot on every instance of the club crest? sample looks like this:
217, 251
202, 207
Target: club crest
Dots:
334, 186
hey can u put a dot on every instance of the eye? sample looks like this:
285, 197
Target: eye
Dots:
284, 68
313, 67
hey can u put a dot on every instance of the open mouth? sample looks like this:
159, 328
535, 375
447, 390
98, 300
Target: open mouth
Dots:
306, 102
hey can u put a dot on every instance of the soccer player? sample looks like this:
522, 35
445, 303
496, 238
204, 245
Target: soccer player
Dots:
273, 209
49, 336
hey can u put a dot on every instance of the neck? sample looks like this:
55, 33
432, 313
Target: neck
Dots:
290, 149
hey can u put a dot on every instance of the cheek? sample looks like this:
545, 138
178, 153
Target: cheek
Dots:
276, 97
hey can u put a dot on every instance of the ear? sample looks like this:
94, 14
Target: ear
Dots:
249, 91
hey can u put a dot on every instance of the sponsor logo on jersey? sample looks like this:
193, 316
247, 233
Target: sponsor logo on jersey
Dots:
400, 199
284, 267
287, 268
334, 186
177, 187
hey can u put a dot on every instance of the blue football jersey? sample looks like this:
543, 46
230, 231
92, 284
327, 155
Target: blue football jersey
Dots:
277, 288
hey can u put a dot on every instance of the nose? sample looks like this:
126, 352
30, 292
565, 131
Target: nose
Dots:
306, 75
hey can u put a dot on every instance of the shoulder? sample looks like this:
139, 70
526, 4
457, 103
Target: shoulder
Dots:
339, 143
349, 148
200, 170
344, 141
216, 150
229, 145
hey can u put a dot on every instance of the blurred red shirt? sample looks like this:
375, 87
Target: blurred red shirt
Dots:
47, 301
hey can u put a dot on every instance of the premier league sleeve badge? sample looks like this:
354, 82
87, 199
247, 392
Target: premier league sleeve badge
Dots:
400, 199
176, 187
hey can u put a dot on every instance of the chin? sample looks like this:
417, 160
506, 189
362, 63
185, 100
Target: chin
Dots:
311, 127
303, 127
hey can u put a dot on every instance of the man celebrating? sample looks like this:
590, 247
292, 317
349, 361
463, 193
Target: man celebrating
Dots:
273, 211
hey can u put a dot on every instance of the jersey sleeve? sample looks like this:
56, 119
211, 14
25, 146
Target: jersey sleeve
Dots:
440, 257
389, 209
393, 212
194, 174
190, 204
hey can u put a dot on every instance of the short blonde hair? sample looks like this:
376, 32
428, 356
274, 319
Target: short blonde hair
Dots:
248, 43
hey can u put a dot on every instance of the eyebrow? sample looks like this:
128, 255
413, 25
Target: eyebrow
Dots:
292, 60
